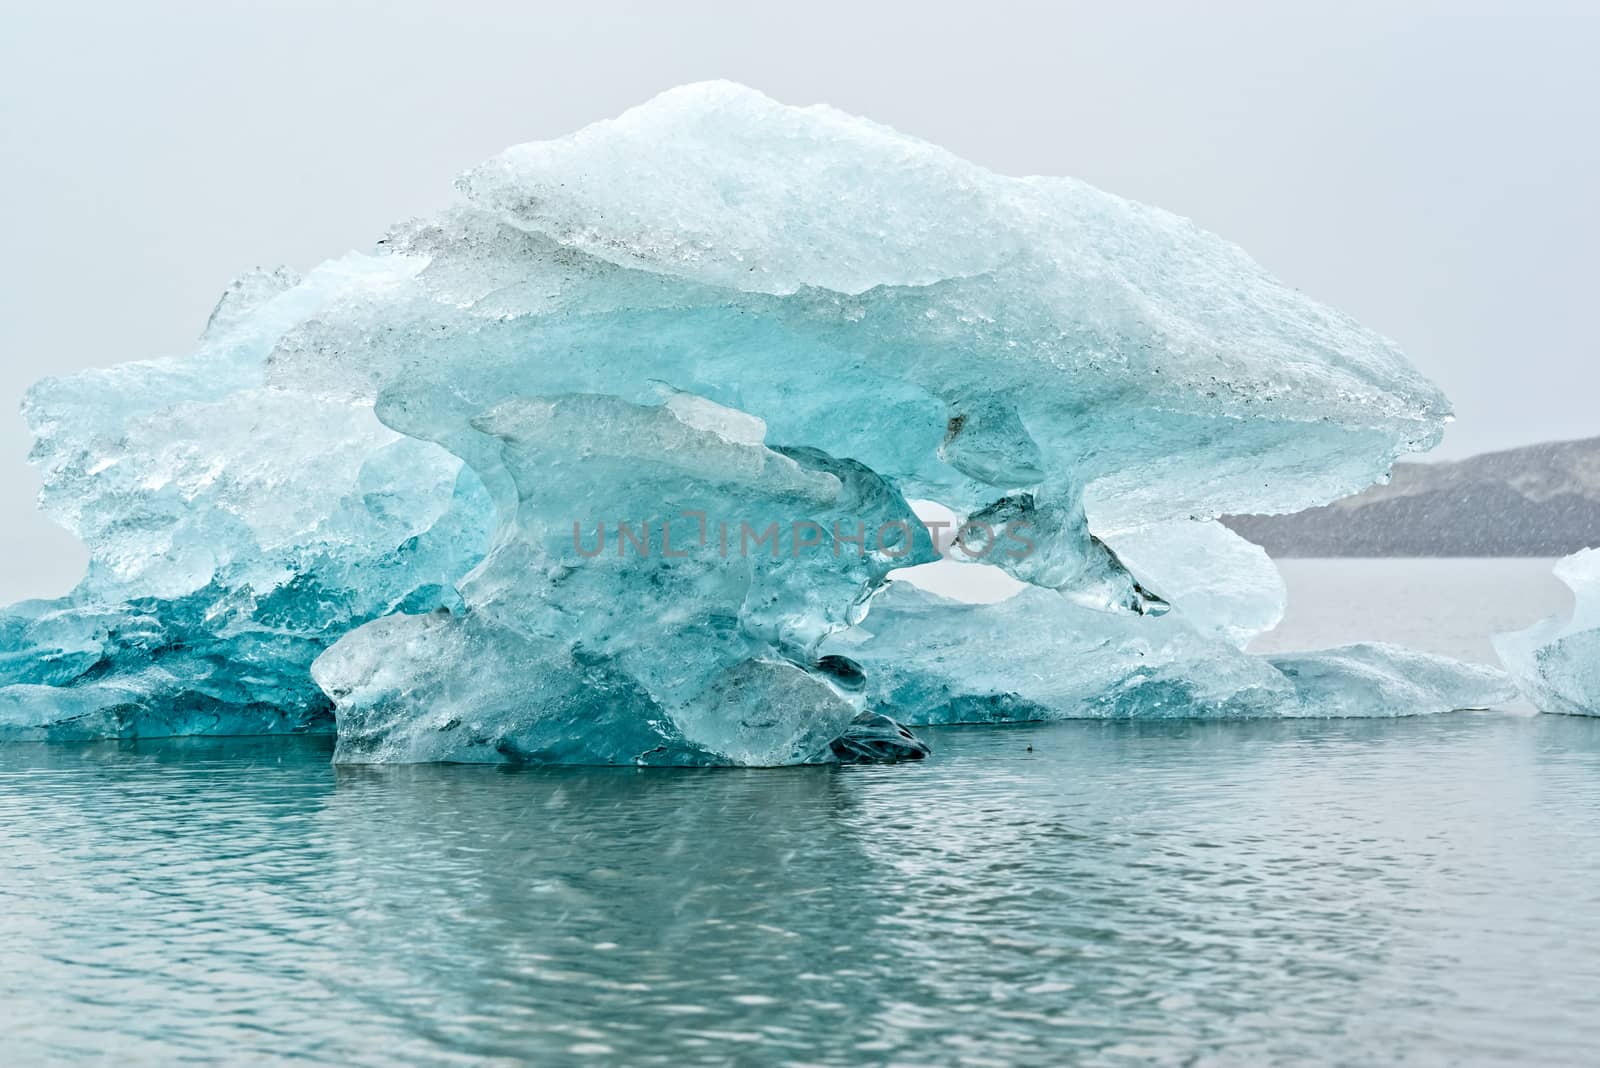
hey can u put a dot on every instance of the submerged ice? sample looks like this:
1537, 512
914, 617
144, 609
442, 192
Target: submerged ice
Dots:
372, 498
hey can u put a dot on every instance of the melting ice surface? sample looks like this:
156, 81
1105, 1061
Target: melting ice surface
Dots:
372, 497
1556, 662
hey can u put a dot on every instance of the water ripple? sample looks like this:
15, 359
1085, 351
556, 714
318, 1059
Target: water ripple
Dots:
1335, 893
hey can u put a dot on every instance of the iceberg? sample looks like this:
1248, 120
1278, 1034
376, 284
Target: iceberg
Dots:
1556, 662
612, 461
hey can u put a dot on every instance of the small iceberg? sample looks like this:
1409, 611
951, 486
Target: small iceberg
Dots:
1556, 662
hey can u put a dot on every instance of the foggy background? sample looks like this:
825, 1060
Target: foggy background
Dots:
1434, 176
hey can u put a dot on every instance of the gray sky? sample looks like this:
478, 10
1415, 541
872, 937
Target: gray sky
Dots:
1434, 176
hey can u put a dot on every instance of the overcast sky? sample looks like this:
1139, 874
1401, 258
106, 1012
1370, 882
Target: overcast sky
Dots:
1434, 176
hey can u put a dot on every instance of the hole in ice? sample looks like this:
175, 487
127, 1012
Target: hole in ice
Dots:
953, 577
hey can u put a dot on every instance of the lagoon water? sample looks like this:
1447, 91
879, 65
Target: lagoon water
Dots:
1443, 606
1422, 891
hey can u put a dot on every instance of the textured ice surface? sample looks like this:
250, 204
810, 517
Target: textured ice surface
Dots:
1375, 679
713, 306
690, 643
1040, 656
1222, 585
1557, 662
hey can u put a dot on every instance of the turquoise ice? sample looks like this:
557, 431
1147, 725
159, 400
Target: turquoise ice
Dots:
363, 501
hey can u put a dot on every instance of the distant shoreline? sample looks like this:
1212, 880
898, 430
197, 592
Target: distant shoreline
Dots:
1536, 501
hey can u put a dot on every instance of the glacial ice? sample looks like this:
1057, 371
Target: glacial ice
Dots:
1039, 656
372, 497
1556, 662
1376, 679
689, 642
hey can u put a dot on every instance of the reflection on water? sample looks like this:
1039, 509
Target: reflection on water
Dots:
1172, 893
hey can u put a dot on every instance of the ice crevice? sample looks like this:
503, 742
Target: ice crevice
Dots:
614, 461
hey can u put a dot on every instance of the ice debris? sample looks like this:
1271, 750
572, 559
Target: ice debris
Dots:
610, 462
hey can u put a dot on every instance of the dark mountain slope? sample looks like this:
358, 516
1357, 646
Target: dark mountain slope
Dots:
1541, 500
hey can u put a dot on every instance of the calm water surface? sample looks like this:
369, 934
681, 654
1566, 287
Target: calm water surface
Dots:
1448, 607
1417, 891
